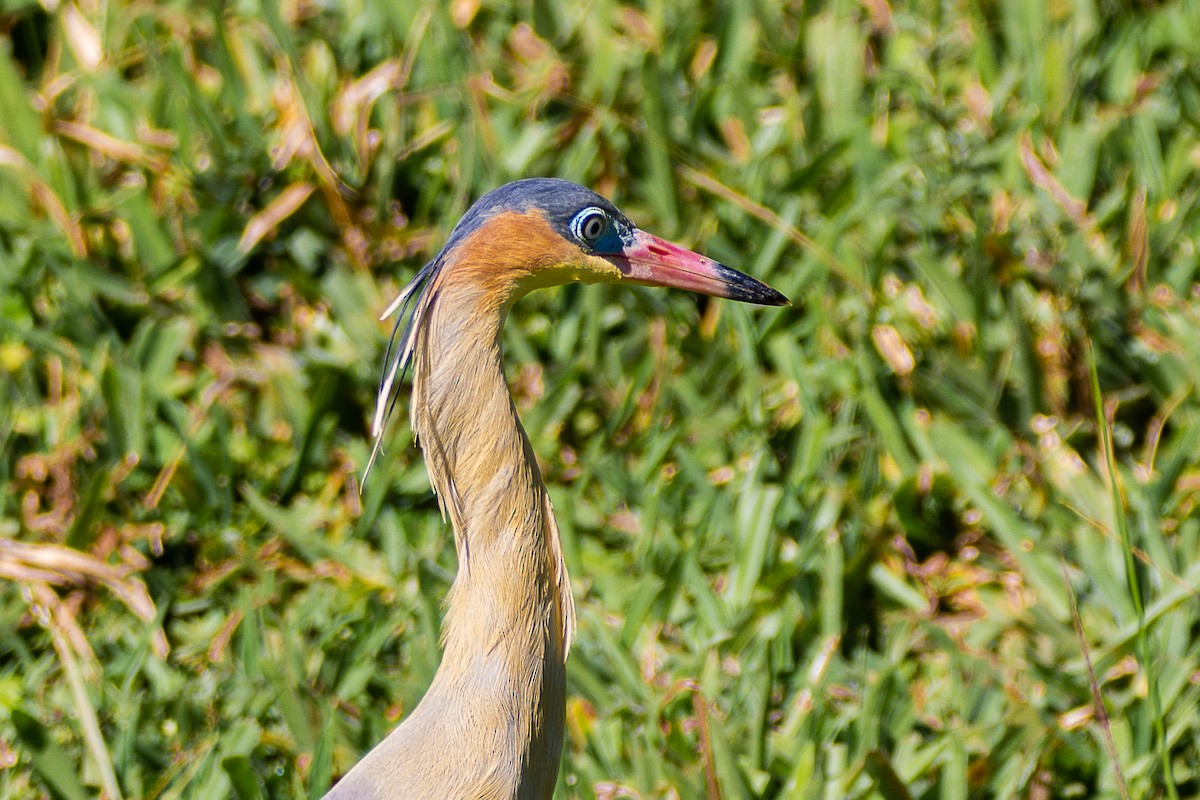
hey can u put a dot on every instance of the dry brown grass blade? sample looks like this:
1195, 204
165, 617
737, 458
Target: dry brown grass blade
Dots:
43, 197
34, 563
351, 108
68, 640
1042, 178
1075, 209
1137, 248
49, 610
266, 221
298, 140
82, 37
108, 145
712, 787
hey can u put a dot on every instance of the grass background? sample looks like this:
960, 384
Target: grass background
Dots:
898, 541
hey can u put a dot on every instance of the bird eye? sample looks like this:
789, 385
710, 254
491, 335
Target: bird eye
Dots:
589, 224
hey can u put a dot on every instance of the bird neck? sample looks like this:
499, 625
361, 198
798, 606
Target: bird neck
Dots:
510, 616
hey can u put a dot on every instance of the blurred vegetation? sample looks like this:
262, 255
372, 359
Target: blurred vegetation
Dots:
889, 543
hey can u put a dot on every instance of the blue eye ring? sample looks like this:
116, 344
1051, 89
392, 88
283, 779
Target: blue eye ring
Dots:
589, 225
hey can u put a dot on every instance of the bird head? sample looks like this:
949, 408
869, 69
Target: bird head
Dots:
545, 232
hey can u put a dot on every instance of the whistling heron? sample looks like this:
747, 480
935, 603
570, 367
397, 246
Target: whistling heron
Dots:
491, 723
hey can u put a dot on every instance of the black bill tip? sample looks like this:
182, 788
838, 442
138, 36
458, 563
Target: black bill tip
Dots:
743, 288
